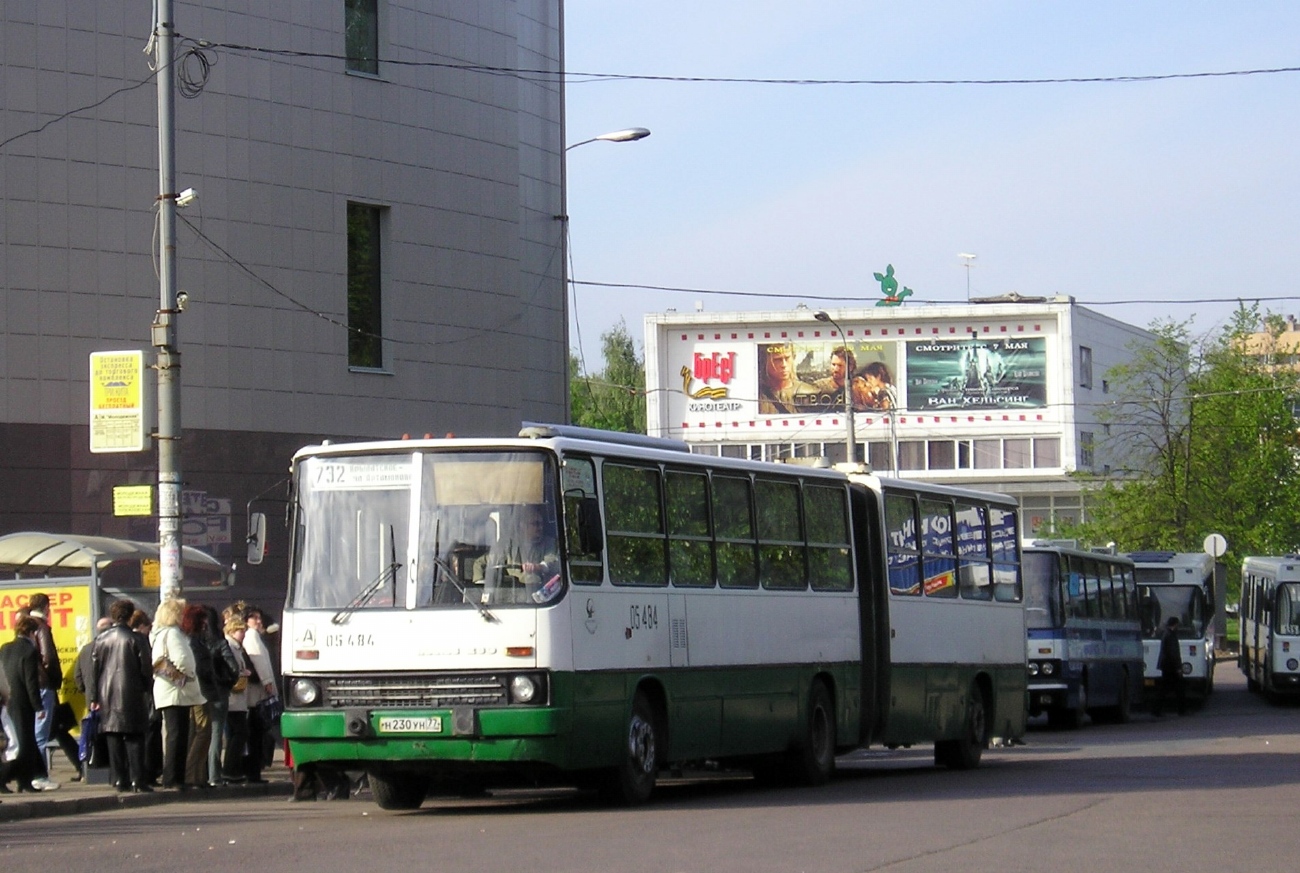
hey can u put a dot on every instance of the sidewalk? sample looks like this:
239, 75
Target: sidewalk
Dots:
98, 795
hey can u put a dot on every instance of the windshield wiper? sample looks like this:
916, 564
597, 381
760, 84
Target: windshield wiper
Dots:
365, 595
440, 567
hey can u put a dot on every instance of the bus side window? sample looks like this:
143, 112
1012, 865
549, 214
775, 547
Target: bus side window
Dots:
973, 552
1003, 537
637, 542
582, 529
690, 548
733, 524
901, 540
938, 561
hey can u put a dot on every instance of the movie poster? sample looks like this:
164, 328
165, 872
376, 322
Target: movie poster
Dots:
1000, 373
808, 377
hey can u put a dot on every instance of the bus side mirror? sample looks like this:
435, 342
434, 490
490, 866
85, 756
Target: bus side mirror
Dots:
591, 537
256, 537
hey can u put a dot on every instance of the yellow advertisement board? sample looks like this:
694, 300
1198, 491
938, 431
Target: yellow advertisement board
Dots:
117, 402
71, 622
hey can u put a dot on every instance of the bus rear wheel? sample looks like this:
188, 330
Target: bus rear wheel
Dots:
633, 781
813, 762
964, 753
398, 790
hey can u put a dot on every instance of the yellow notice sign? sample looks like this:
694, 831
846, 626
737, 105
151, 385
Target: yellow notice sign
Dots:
117, 402
132, 500
150, 574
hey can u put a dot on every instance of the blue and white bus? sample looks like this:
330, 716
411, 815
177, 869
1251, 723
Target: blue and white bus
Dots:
1269, 619
686, 608
1083, 634
1178, 584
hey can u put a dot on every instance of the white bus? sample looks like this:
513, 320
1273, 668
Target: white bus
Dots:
658, 608
1269, 619
1084, 634
1178, 584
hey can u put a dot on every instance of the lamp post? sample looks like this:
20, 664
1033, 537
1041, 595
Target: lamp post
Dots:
629, 134
851, 444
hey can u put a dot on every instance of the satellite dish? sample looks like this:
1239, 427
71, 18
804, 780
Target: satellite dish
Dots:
1216, 545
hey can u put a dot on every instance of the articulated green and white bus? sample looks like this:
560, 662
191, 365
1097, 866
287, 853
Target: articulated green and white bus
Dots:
580, 607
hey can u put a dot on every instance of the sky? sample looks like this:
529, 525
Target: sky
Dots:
1153, 200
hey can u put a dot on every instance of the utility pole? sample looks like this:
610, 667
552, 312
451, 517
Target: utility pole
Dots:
164, 323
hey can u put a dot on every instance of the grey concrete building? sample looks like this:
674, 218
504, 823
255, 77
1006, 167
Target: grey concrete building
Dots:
376, 247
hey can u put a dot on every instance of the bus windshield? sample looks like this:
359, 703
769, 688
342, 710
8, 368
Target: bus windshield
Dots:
1042, 589
484, 522
1161, 602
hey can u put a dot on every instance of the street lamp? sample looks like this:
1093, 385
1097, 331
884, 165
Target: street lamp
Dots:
630, 134
850, 447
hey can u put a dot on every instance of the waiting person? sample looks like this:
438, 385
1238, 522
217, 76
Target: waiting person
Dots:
1170, 664
232, 763
122, 679
261, 686
227, 674
20, 660
51, 679
194, 624
175, 688
142, 624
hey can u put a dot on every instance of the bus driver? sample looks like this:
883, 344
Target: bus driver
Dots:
524, 564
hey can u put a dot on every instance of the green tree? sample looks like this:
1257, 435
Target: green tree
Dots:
613, 398
1203, 439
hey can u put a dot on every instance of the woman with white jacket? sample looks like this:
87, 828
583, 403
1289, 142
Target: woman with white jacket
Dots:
262, 689
175, 688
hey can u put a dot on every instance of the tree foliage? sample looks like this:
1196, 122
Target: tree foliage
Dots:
613, 398
1202, 439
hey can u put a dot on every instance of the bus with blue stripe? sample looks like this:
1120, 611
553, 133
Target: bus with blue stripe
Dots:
1083, 634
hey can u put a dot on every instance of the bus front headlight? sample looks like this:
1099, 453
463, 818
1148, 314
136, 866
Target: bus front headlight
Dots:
1033, 668
1048, 668
523, 689
1292, 664
303, 692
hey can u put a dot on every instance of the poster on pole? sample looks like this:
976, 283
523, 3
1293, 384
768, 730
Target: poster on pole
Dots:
117, 402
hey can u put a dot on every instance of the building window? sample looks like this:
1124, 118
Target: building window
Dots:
878, 456
361, 35
1085, 367
365, 329
911, 455
941, 455
1015, 454
1047, 452
1085, 449
988, 454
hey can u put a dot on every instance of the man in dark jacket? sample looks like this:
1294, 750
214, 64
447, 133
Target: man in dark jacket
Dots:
20, 662
1170, 664
122, 677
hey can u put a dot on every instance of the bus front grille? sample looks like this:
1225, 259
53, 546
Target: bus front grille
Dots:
416, 692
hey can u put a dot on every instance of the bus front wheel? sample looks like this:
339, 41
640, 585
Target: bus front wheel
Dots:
964, 753
398, 790
632, 781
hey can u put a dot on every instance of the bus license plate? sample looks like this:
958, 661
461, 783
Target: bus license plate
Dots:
392, 724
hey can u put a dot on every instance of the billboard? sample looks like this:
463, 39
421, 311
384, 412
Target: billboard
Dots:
806, 377
1001, 373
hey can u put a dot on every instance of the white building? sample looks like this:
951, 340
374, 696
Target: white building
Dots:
1000, 394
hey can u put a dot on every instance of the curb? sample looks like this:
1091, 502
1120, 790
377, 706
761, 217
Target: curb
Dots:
11, 810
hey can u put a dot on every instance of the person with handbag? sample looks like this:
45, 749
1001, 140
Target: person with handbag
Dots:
232, 769
175, 688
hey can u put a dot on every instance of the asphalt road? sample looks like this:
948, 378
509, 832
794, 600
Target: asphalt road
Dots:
1216, 790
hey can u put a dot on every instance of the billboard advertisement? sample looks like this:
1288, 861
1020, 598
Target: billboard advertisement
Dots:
1001, 373
805, 377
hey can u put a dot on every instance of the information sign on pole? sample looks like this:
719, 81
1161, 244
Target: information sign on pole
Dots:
117, 402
